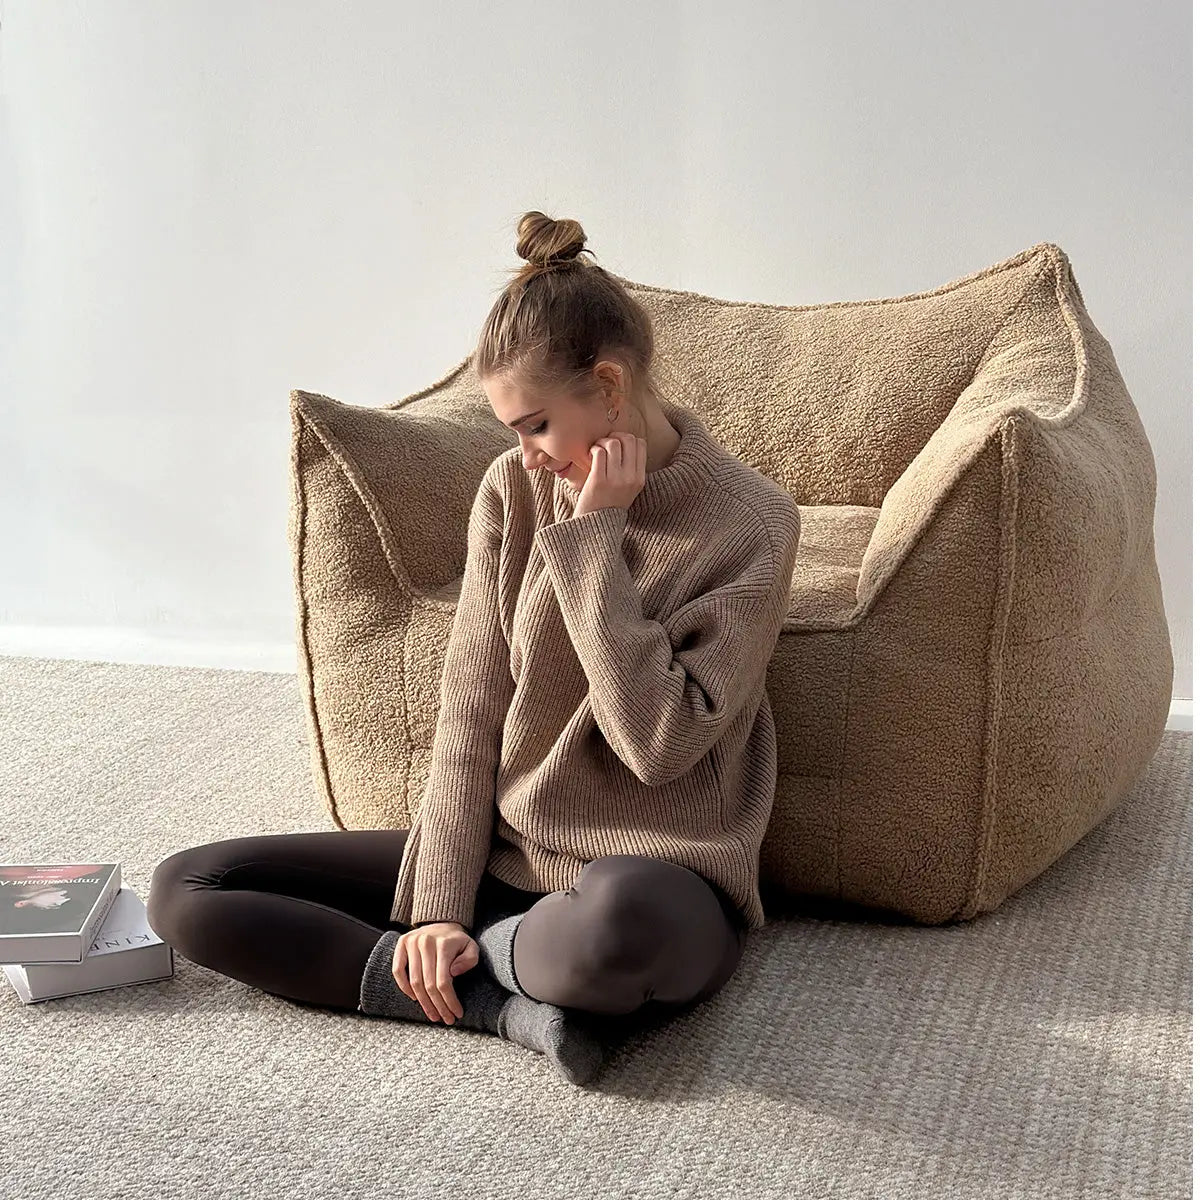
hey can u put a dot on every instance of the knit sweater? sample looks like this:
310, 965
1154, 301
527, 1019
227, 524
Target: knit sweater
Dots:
604, 686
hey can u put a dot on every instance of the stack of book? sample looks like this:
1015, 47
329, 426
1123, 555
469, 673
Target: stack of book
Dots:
69, 928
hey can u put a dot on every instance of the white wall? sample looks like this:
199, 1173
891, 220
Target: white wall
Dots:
207, 203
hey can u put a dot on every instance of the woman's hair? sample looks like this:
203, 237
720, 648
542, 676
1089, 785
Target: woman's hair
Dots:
559, 315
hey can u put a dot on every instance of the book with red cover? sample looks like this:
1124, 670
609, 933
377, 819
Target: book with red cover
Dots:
52, 912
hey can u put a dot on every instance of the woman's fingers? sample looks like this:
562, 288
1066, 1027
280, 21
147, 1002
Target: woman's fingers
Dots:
400, 969
445, 984
429, 971
408, 979
416, 976
421, 968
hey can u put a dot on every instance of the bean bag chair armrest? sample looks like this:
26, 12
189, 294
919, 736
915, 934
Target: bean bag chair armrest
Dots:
1044, 449
414, 467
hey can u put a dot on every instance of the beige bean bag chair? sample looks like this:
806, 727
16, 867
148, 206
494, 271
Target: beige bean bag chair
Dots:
976, 663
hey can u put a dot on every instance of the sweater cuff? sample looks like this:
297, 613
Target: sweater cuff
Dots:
593, 533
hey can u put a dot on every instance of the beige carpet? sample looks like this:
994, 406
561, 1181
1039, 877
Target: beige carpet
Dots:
1040, 1051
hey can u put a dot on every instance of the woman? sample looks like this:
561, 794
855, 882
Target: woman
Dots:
603, 766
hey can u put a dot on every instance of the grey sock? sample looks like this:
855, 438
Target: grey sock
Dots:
495, 943
554, 1032
488, 1007
379, 994
561, 1035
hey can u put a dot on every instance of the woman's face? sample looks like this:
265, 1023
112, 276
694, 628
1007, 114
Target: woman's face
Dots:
554, 433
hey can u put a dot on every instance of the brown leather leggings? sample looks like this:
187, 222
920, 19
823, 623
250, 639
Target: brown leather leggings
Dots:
297, 914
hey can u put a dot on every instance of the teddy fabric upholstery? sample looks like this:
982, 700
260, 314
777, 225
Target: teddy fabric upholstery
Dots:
973, 664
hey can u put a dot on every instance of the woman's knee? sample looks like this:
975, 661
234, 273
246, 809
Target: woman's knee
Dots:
566, 955
642, 894
173, 885
661, 919
638, 911
617, 909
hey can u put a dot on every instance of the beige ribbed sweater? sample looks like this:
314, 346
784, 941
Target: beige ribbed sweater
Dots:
604, 686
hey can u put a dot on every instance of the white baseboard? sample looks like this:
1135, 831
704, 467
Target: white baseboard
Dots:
123, 646
137, 646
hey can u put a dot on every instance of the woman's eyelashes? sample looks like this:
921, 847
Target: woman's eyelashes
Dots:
538, 429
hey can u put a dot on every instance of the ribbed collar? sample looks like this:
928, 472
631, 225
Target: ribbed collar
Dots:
692, 463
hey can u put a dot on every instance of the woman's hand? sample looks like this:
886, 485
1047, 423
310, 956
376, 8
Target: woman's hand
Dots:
617, 473
425, 961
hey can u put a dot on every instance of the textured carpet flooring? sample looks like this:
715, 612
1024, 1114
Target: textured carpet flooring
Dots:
1043, 1050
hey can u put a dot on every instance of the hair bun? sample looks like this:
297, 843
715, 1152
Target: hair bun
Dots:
543, 241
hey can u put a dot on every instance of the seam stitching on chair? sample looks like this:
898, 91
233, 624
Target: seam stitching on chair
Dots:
841, 789
388, 545
1001, 611
299, 423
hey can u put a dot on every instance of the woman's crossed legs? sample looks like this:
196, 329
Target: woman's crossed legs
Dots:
297, 915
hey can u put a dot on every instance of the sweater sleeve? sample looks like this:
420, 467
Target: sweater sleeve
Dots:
663, 693
459, 803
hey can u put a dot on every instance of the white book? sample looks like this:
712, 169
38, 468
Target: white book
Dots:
125, 951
